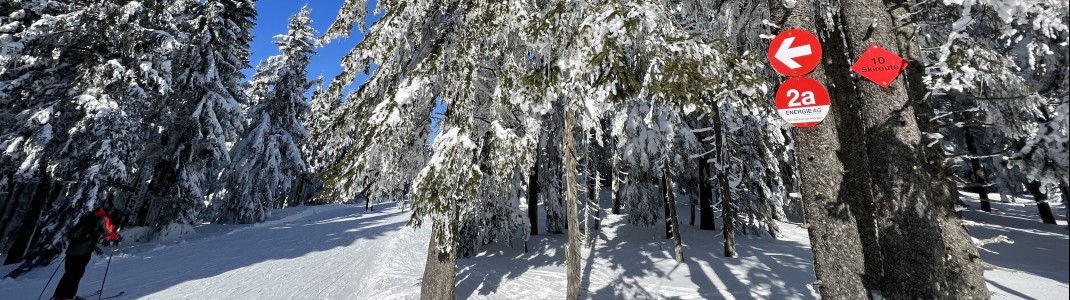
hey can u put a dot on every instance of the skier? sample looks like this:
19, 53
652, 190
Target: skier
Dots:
81, 241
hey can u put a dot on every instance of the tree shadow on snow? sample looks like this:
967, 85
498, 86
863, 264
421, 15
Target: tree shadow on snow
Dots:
239, 248
774, 269
496, 263
1012, 292
1032, 240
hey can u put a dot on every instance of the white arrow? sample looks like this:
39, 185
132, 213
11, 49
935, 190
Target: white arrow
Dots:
787, 54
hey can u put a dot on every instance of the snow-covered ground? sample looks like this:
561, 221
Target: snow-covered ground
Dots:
340, 252
1037, 264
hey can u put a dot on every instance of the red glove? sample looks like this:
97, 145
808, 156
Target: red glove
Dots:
112, 234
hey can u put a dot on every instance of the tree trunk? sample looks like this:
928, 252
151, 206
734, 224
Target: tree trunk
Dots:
727, 212
824, 185
673, 220
1046, 215
597, 196
28, 228
923, 252
12, 216
590, 223
979, 178
441, 270
1064, 188
707, 220
691, 204
961, 265
665, 204
533, 197
572, 254
8, 204
615, 186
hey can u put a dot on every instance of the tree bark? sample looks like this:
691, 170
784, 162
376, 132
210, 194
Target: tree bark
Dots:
827, 199
441, 270
12, 216
727, 212
1064, 188
591, 223
572, 254
707, 221
533, 197
923, 250
665, 201
691, 204
1046, 215
978, 171
674, 221
28, 228
964, 272
615, 186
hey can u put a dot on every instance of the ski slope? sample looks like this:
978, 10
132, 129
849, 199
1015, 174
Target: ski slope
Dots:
341, 252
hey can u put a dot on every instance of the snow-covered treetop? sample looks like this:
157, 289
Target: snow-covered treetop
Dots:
499, 65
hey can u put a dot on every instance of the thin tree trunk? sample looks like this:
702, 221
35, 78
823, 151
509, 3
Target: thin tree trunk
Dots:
12, 216
727, 220
8, 205
691, 204
533, 197
727, 212
1046, 215
28, 228
923, 252
597, 196
707, 220
572, 254
823, 183
674, 221
979, 178
589, 223
1064, 188
555, 220
615, 186
665, 204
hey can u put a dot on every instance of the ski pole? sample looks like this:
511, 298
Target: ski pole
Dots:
49, 282
105, 277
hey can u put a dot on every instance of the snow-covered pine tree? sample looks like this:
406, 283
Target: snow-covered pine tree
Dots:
633, 62
650, 135
551, 187
762, 151
528, 58
1001, 59
203, 117
267, 161
321, 112
96, 69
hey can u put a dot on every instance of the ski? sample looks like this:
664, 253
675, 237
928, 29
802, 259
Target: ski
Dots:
91, 295
97, 294
113, 296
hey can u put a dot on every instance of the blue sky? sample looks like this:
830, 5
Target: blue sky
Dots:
273, 19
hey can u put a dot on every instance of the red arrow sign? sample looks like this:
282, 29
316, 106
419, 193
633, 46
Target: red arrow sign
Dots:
879, 65
794, 52
802, 101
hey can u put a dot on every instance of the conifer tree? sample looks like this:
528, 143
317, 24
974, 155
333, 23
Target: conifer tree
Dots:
267, 162
204, 117
84, 77
530, 60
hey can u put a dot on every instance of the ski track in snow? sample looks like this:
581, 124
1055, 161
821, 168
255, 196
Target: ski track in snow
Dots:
341, 252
